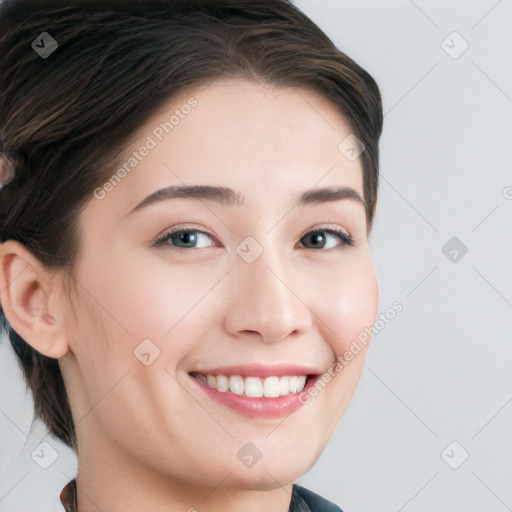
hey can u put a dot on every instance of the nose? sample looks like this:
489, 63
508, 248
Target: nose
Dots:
266, 300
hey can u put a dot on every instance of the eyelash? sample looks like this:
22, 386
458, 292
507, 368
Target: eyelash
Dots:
161, 240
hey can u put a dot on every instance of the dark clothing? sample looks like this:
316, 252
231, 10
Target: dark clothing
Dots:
314, 502
303, 500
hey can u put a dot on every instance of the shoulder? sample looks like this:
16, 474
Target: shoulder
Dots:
314, 501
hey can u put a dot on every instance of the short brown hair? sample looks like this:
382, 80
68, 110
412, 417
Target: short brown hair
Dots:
65, 119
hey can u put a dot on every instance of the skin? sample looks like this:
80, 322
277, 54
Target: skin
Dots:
147, 440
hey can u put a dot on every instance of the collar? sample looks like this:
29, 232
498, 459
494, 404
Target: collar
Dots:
68, 497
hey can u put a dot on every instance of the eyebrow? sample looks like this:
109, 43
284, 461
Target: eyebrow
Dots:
228, 197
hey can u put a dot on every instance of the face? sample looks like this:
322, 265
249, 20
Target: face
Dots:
265, 287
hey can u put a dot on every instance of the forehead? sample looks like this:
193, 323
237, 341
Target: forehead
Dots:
257, 139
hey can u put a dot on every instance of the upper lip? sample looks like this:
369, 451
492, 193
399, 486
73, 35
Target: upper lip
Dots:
261, 370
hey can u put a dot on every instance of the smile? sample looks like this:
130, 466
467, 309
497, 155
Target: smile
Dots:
254, 387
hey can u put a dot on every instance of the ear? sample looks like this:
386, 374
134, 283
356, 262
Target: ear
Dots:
31, 300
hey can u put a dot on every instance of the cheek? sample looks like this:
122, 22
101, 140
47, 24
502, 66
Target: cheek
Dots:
352, 304
149, 301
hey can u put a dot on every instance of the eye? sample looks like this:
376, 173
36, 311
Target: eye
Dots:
319, 239
190, 238
184, 238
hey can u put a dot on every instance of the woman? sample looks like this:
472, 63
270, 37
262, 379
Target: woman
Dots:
188, 193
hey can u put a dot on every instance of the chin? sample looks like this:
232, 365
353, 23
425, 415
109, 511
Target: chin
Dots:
277, 471
263, 480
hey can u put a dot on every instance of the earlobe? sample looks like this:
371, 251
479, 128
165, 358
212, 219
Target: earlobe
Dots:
30, 300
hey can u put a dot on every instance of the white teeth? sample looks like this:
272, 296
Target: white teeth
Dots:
283, 386
296, 384
222, 383
271, 386
302, 382
255, 387
293, 384
236, 384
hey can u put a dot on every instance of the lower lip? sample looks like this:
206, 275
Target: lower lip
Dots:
260, 407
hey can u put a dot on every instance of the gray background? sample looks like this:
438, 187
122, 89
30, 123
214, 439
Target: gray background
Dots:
438, 381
